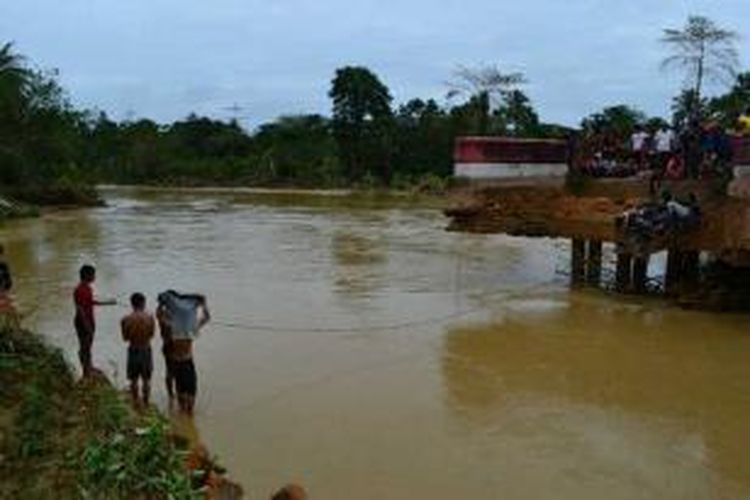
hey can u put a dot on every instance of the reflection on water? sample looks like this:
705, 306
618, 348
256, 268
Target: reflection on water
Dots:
362, 351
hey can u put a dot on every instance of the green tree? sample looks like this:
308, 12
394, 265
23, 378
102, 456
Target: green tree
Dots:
362, 122
13, 79
299, 149
518, 116
485, 88
731, 105
687, 106
703, 51
424, 140
619, 120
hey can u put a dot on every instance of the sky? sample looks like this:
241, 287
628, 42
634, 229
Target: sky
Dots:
164, 59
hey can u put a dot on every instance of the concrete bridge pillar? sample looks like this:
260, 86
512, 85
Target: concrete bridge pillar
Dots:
690, 267
640, 274
623, 274
673, 272
594, 263
578, 262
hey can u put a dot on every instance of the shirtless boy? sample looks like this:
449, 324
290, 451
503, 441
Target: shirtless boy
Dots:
182, 323
138, 329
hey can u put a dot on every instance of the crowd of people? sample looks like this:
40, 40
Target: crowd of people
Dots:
645, 226
696, 152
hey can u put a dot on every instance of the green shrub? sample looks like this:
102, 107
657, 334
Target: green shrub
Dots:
432, 184
135, 463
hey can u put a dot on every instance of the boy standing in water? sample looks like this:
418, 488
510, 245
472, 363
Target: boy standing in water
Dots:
167, 347
138, 330
184, 315
85, 325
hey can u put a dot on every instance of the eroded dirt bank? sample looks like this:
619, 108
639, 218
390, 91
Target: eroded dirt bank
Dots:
62, 438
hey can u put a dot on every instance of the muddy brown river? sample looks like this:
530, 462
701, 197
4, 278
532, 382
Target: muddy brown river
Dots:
362, 351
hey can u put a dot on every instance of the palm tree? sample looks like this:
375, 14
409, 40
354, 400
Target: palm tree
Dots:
704, 51
487, 86
11, 64
13, 77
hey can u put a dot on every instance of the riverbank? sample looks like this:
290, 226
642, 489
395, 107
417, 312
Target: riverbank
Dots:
56, 194
64, 438
31, 200
11, 209
426, 184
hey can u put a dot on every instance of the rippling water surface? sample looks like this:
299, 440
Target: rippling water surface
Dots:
362, 351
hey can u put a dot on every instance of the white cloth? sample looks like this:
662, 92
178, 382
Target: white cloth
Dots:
182, 314
638, 141
664, 140
677, 209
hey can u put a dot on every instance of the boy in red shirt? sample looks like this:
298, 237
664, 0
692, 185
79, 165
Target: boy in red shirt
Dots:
83, 298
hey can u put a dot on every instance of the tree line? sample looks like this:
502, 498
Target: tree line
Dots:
366, 140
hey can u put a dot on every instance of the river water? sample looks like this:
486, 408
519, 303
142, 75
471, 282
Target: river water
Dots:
362, 351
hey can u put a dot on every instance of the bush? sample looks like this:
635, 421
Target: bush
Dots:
432, 184
135, 463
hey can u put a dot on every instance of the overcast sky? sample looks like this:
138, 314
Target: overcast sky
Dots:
165, 58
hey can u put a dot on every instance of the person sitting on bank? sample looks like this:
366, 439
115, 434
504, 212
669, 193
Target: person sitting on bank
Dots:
683, 215
137, 330
185, 315
84, 322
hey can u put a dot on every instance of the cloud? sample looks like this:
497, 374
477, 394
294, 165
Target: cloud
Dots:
166, 58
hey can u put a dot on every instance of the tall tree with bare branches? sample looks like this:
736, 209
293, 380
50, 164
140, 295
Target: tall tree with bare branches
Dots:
486, 87
702, 50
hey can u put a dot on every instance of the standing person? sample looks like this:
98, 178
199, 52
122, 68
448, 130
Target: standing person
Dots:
639, 145
664, 142
84, 322
167, 348
185, 314
138, 330
691, 138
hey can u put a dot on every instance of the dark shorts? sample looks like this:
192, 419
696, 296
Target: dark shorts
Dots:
85, 337
166, 350
140, 363
184, 376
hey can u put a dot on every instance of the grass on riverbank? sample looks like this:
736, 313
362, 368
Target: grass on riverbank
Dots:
65, 439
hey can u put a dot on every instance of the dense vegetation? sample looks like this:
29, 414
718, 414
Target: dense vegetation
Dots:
44, 139
62, 439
